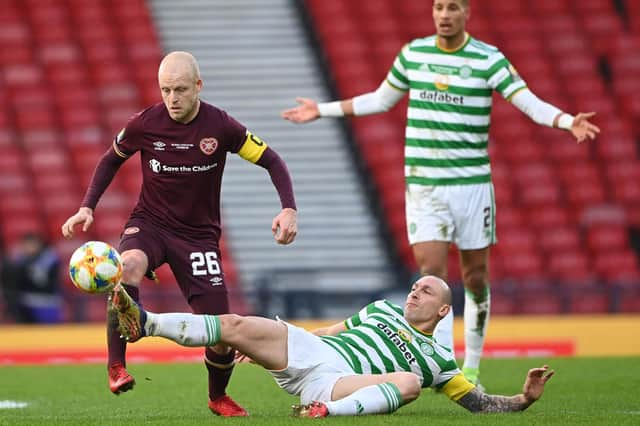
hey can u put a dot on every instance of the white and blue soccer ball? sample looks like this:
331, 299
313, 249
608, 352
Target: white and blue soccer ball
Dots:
95, 267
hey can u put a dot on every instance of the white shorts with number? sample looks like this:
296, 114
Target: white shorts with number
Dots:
313, 369
462, 214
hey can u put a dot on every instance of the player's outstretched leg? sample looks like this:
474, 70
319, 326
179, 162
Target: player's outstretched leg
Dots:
119, 378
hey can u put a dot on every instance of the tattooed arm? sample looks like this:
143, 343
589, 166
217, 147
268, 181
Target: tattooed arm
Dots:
480, 402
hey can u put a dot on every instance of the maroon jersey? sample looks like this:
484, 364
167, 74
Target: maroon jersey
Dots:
182, 166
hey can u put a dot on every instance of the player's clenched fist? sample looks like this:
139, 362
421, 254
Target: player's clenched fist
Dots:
285, 226
84, 216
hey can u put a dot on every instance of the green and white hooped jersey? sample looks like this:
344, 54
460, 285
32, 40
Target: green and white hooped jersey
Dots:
379, 340
449, 110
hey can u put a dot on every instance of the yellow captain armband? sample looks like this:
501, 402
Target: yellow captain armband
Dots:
118, 152
457, 387
252, 148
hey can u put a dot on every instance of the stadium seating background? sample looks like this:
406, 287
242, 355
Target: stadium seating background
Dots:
565, 212
73, 71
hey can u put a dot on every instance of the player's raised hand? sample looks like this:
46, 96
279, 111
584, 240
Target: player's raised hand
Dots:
534, 385
306, 111
84, 216
285, 226
582, 128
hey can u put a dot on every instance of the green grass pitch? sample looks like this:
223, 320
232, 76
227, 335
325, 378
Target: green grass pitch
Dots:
602, 391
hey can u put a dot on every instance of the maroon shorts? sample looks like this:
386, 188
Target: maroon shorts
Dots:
195, 262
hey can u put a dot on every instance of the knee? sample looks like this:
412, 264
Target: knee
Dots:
134, 266
436, 270
231, 324
476, 279
409, 386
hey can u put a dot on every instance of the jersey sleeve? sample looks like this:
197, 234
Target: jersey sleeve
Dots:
234, 133
129, 140
457, 386
397, 76
503, 77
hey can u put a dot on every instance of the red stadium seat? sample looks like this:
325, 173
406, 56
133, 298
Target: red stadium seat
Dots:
582, 193
536, 303
539, 195
570, 266
621, 171
521, 265
589, 303
604, 238
620, 148
551, 8
13, 228
630, 303
579, 171
509, 217
551, 216
517, 239
613, 265
558, 239
566, 151
502, 304
627, 193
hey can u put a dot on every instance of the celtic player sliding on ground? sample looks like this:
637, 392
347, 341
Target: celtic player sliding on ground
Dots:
372, 363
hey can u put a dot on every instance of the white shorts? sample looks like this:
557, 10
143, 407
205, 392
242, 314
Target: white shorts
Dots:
313, 368
462, 214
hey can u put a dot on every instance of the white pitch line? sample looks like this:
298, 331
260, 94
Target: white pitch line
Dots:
9, 404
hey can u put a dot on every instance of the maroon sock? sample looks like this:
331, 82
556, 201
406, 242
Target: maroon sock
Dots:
116, 345
220, 368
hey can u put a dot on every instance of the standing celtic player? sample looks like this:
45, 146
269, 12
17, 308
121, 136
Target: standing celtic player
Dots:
450, 77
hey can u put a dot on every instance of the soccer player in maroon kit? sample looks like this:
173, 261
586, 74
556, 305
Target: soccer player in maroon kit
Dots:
183, 143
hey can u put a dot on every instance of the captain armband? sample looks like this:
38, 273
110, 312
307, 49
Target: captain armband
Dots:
457, 387
119, 152
252, 148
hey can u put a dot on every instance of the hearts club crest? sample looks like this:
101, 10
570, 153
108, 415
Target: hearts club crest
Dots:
208, 145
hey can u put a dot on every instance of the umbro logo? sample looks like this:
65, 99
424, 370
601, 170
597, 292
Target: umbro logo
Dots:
159, 145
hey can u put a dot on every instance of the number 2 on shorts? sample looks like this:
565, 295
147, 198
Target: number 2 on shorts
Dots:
487, 217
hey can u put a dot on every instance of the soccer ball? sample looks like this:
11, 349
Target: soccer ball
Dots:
95, 267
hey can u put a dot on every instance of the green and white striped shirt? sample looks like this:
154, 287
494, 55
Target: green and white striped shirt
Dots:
449, 110
379, 340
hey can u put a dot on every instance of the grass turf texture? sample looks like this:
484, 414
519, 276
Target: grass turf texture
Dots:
584, 391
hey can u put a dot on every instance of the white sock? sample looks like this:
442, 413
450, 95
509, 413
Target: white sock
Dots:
443, 334
374, 399
184, 329
476, 320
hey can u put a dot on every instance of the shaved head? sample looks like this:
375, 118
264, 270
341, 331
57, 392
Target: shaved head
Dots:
180, 85
427, 303
442, 287
182, 63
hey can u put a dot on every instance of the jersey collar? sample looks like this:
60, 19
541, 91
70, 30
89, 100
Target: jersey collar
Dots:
420, 331
467, 37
